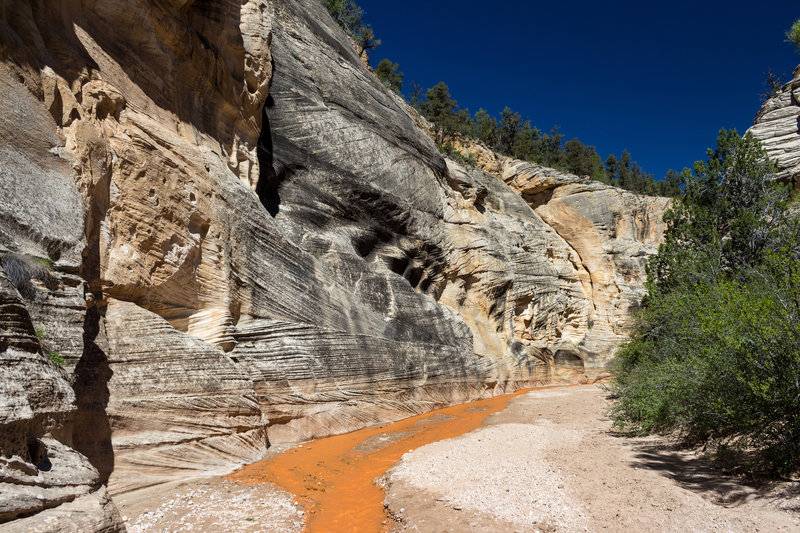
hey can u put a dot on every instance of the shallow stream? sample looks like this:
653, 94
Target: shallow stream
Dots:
334, 477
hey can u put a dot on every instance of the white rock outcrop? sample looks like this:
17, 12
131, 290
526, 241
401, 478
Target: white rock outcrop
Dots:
777, 126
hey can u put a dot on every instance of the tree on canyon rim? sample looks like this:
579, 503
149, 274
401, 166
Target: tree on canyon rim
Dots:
793, 35
350, 17
388, 73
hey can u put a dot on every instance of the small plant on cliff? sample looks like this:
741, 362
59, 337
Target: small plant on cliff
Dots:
56, 358
21, 270
716, 351
458, 156
793, 35
53, 355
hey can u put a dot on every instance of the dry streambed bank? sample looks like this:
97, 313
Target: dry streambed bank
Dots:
545, 461
549, 462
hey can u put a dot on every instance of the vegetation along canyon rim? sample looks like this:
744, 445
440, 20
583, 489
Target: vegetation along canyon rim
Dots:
226, 239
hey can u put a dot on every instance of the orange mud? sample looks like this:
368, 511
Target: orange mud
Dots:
333, 477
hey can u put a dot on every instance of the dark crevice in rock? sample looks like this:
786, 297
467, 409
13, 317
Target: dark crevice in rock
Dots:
564, 359
539, 199
92, 429
268, 181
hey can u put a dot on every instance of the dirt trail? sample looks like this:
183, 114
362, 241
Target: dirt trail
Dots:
541, 461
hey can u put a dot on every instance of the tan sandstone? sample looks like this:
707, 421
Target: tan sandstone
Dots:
247, 239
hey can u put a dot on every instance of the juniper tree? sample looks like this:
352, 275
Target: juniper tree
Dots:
388, 73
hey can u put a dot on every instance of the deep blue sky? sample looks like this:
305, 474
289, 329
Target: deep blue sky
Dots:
658, 79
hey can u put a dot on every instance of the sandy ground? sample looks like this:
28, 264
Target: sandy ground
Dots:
210, 505
550, 462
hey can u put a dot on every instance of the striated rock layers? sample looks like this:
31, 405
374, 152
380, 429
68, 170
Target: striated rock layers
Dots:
233, 234
777, 126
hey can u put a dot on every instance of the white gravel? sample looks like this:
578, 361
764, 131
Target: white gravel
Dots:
499, 470
222, 506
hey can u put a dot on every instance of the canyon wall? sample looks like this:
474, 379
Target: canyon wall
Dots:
233, 235
777, 126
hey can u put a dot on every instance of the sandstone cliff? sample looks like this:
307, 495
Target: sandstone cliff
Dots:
777, 126
233, 234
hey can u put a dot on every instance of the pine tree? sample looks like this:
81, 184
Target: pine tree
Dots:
670, 186
624, 173
528, 144
346, 14
612, 169
389, 75
439, 108
365, 39
583, 160
485, 128
417, 97
507, 130
793, 35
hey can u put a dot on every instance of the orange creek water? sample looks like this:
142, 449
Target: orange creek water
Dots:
333, 477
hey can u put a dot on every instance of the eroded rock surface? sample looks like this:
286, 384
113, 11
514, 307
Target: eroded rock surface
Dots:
243, 237
777, 126
40, 473
196, 409
606, 236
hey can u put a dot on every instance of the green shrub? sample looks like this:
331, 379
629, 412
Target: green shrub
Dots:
350, 17
56, 358
53, 355
390, 76
470, 161
21, 269
716, 350
458, 156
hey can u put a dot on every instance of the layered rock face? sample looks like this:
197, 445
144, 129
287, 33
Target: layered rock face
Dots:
777, 126
40, 473
233, 234
606, 235
125, 125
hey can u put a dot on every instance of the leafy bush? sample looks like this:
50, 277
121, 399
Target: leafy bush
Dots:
716, 350
458, 156
56, 358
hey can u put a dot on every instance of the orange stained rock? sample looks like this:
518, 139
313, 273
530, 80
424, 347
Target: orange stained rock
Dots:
334, 477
